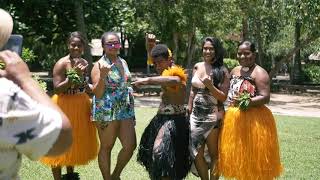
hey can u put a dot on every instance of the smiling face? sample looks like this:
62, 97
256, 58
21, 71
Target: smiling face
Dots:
245, 56
76, 47
111, 45
208, 52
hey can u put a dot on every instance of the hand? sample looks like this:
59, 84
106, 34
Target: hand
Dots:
140, 82
80, 66
188, 112
16, 69
104, 68
235, 100
150, 41
206, 80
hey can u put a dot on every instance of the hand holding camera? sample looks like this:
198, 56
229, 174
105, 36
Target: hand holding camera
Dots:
15, 68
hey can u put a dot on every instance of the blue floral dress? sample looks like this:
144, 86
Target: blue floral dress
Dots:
117, 102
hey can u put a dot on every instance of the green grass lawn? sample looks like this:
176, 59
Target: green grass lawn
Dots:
299, 143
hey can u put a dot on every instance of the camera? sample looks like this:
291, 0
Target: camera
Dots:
14, 44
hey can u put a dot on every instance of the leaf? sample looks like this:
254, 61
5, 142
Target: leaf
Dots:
244, 100
73, 76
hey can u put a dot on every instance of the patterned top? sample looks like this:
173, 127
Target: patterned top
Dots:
26, 127
239, 84
117, 102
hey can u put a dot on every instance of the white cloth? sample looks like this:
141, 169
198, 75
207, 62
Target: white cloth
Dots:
26, 127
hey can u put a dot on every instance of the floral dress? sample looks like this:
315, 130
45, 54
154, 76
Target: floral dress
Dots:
117, 102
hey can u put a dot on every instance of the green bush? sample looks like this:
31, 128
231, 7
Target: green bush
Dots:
312, 73
28, 55
230, 63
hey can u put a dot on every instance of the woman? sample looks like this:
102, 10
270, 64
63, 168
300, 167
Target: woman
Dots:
113, 106
210, 84
68, 94
248, 147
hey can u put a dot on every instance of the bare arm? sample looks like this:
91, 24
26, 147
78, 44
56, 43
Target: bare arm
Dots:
18, 72
224, 87
158, 80
262, 82
60, 81
219, 93
98, 75
191, 96
190, 101
150, 42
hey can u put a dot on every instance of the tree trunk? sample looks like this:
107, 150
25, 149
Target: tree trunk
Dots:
257, 22
190, 55
191, 48
81, 26
295, 74
245, 33
176, 45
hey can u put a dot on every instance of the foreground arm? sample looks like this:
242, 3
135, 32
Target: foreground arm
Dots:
17, 71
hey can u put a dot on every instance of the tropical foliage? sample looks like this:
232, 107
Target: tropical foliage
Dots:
281, 29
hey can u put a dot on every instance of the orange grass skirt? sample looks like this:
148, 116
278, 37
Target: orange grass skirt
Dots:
248, 145
85, 143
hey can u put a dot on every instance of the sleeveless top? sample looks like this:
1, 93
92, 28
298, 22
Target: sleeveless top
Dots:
239, 84
205, 106
117, 102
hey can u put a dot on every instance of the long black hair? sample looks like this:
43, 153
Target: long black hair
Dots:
217, 70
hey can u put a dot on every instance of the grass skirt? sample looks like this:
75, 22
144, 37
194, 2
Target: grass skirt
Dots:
85, 143
172, 158
248, 145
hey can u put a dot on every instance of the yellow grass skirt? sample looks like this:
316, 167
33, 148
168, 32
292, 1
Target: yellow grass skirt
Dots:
85, 143
248, 145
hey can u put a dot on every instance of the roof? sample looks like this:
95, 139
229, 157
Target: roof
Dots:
315, 56
96, 48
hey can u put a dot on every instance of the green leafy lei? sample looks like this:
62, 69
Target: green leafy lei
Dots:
244, 100
73, 76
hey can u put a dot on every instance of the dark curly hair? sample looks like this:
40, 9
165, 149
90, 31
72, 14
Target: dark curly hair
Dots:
77, 34
250, 44
160, 50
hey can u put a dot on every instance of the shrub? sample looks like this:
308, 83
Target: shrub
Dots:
312, 73
28, 55
230, 63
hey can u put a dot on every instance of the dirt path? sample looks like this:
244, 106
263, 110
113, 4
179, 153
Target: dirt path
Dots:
293, 105
281, 104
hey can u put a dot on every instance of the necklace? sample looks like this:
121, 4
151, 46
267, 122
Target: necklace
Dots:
247, 69
73, 60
